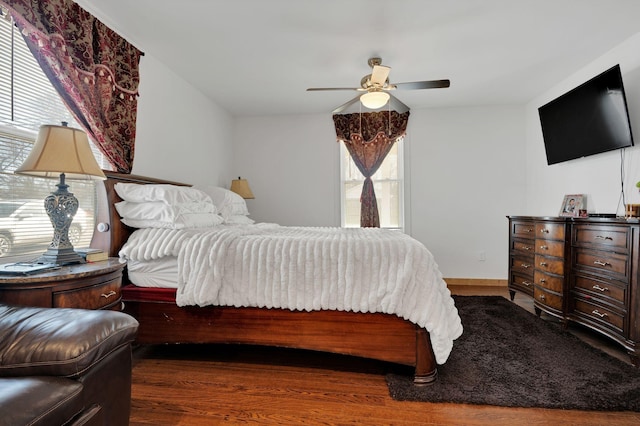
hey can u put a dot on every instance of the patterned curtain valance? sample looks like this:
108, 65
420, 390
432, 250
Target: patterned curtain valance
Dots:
94, 70
365, 127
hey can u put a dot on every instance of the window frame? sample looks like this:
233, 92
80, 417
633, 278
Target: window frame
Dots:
402, 220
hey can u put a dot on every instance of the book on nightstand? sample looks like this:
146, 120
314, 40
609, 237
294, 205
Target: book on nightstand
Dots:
92, 254
26, 268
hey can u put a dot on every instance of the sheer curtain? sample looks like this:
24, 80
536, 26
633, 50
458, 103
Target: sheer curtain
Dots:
369, 137
95, 71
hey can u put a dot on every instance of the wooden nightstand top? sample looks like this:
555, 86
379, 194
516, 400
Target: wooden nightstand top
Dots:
93, 285
77, 271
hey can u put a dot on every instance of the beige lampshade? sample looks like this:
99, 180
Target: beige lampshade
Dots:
241, 187
374, 100
61, 149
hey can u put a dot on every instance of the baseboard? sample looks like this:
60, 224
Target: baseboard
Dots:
479, 282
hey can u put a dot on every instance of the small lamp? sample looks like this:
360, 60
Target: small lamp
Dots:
63, 152
241, 187
374, 99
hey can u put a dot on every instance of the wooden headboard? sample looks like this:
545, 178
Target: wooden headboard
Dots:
111, 233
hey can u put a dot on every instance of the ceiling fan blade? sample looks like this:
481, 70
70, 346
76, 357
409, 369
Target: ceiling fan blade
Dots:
379, 75
415, 85
319, 89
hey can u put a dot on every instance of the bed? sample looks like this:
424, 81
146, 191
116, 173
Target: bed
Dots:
375, 335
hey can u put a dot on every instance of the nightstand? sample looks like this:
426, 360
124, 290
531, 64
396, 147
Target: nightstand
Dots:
87, 286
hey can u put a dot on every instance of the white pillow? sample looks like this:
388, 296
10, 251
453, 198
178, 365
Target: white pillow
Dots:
157, 214
227, 202
168, 194
192, 220
158, 210
239, 220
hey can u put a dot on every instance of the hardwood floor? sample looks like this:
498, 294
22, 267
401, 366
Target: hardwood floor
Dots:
219, 384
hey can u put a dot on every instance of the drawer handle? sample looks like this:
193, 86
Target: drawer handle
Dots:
542, 297
529, 230
544, 230
544, 247
597, 287
527, 283
601, 263
542, 280
543, 263
108, 295
602, 237
527, 248
525, 265
595, 312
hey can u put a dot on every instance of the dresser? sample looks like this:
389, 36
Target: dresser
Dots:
580, 270
94, 285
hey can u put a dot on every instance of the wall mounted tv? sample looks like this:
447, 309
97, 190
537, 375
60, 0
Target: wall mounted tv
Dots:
590, 119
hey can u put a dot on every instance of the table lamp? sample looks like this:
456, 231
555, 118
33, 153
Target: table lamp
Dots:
61, 152
241, 187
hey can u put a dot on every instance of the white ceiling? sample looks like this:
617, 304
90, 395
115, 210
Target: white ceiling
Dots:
258, 57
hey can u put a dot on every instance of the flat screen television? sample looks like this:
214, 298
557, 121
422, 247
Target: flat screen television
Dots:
590, 119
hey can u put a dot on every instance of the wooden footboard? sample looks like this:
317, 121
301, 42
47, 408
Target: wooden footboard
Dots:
370, 335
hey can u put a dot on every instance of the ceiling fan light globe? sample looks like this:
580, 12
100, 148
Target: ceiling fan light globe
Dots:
374, 100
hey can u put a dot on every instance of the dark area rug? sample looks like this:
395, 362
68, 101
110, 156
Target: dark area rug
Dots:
510, 357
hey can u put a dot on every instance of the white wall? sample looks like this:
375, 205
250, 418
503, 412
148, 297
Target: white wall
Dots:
464, 166
292, 165
466, 176
597, 176
181, 134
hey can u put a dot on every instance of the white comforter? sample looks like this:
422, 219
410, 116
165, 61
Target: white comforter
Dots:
306, 268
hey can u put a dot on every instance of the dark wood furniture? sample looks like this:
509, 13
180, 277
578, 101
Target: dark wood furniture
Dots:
582, 270
377, 336
86, 286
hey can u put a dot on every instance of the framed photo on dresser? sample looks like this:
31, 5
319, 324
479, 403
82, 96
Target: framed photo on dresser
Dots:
572, 204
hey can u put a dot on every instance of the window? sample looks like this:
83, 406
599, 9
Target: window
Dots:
27, 100
388, 185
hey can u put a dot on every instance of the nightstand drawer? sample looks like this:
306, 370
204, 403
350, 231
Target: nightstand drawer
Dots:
94, 297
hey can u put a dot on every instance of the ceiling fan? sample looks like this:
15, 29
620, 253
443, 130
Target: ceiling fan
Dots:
376, 85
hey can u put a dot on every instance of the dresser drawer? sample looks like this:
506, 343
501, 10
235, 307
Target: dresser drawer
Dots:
598, 315
550, 248
548, 299
522, 283
549, 282
552, 265
612, 238
522, 265
93, 297
523, 247
602, 263
523, 229
550, 231
593, 288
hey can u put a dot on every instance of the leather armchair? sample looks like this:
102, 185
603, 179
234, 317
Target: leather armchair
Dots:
65, 366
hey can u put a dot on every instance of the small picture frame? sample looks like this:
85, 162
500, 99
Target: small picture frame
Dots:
572, 204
